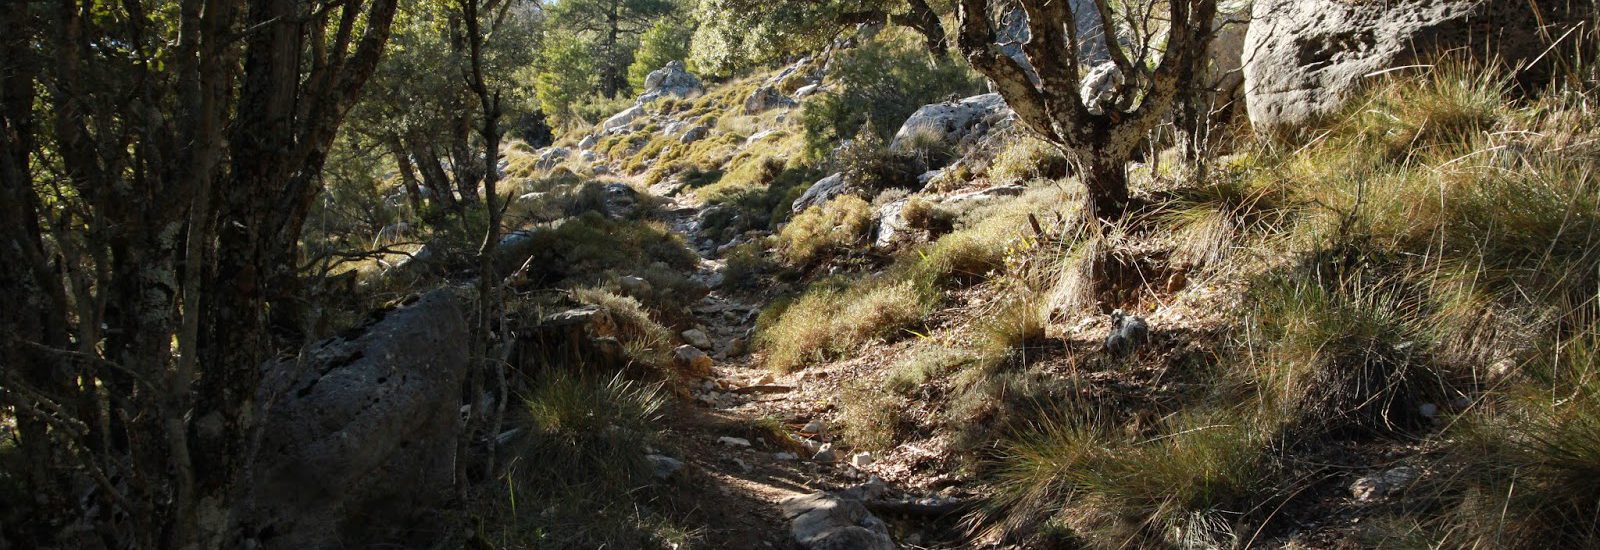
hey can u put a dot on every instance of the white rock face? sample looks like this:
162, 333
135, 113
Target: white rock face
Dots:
1100, 86
892, 225
950, 122
1305, 58
671, 80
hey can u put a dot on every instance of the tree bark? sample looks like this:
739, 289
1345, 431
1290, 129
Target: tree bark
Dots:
1101, 144
920, 17
408, 175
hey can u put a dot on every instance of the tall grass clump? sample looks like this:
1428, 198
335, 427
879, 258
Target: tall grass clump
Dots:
832, 319
1525, 469
576, 467
819, 232
1333, 351
643, 339
1193, 486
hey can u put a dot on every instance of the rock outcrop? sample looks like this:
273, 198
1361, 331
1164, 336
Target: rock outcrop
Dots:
951, 123
673, 80
821, 192
1305, 58
358, 444
766, 98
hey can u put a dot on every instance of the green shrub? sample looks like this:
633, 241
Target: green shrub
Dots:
882, 82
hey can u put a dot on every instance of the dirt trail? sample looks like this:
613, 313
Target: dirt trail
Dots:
743, 401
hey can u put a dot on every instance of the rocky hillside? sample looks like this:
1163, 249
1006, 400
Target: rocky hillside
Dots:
1366, 323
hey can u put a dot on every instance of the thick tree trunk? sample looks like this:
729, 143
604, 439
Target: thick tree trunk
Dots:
1106, 178
1100, 140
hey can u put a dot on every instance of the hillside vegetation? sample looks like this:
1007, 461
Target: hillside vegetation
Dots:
501, 274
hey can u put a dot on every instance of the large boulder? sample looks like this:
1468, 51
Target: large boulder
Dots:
1305, 58
358, 440
951, 122
1092, 50
1225, 74
672, 80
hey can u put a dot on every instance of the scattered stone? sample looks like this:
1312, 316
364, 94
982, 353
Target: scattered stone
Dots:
621, 200
812, 427
785, 456
758, 136
733, 441
593, 321
552, 157
1128, 332
697, 338
824, 521
986, 194
738, 346
692, 360
694, 134
664, 466
623, 118
892, 225
743, 466
1383, 484
589, 141
861, 459
807, 90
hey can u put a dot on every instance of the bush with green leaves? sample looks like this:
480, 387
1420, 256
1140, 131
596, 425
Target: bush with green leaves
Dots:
881, 82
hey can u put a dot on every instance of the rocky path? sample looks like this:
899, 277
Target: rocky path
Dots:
753, 436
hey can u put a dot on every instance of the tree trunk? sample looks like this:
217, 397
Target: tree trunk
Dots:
408, 176
610, 67
1106, 178
462, 160
433, 174
921, 18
